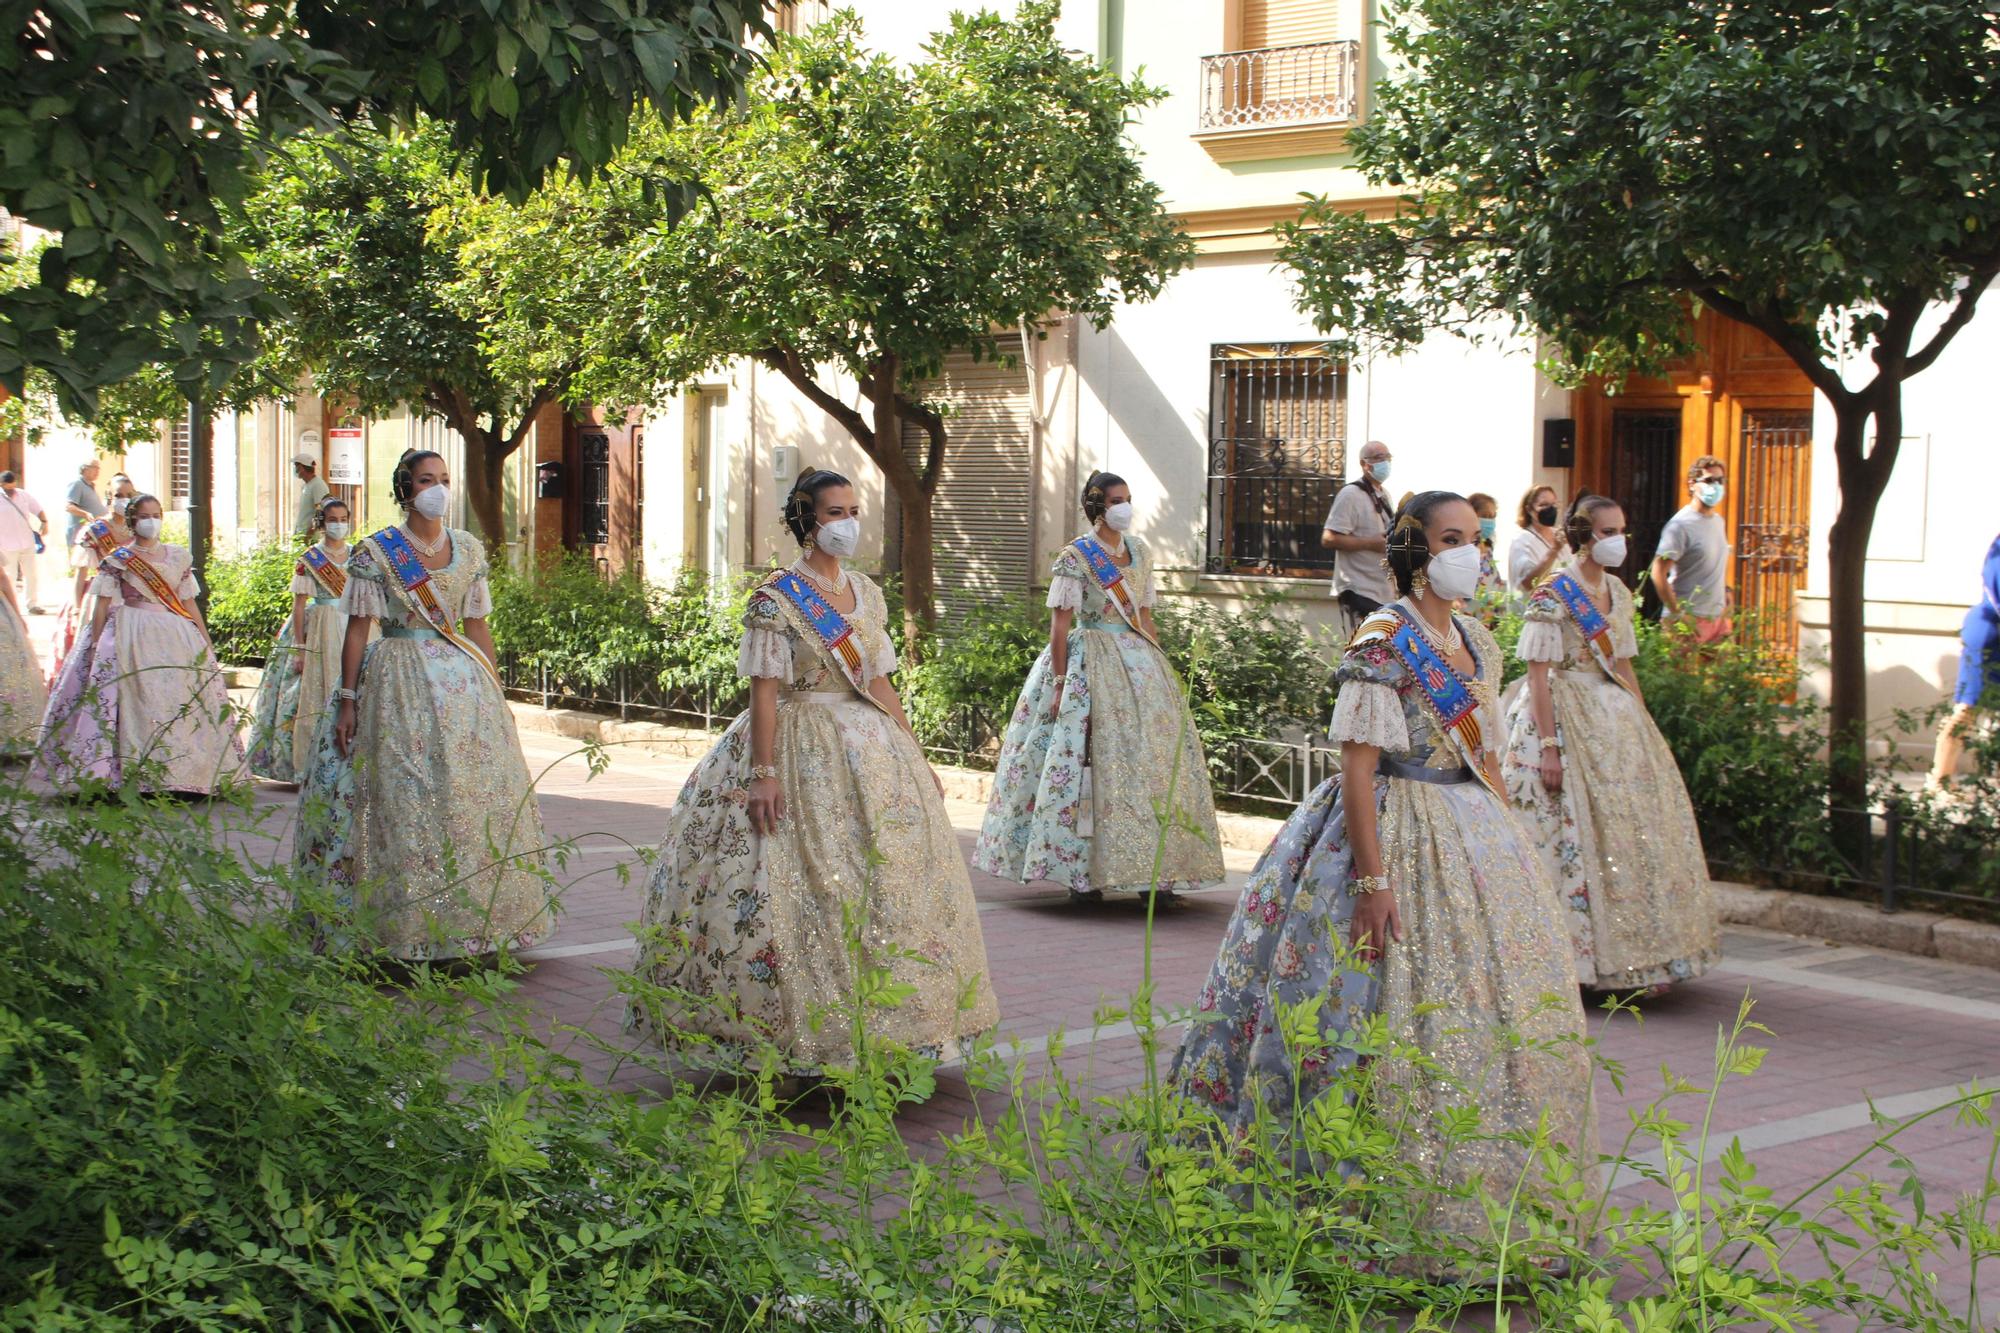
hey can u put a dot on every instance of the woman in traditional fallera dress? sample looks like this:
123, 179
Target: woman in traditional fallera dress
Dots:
1594, 779
416, 809
140, 697
1101, 741
23, 694
815, 816
304, 670
1457, 939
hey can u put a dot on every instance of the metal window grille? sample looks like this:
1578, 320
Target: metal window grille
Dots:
1645, 479
1280, 85
1773, 536
1277, 451
180, 455
594, 488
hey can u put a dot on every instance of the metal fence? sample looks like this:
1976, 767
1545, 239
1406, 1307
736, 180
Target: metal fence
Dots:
1900, 858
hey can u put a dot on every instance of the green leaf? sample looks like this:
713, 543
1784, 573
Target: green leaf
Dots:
431, 81
659, 54
503, 96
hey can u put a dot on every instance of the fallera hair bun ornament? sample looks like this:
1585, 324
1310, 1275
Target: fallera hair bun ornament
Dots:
402, 482
801, 508
1095, 489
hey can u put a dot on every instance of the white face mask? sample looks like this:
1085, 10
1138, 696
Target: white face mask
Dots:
147, 528
433, 502
1119, 516
338, 530
840, 538
1608, 552
1454, 572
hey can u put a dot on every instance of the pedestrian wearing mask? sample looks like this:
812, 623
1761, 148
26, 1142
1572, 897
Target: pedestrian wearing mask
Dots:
811, 841
416, 810
1101, 740
1593, 775
1357, 530
140, 698
1539, 547
1691, 563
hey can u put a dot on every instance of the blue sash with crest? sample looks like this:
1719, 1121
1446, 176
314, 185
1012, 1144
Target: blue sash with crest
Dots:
830, 627
1109, 577
329, 575
1444, 691
1590, 623
415, 582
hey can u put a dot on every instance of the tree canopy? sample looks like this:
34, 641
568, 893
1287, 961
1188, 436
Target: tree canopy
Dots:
1820, 170
401, 283
870, 219
131, 126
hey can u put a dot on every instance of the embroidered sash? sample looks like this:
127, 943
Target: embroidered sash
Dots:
414, 582
1110, 578
1590, 623
97, 535
827, 625
1443, 690
131, 562
325, 572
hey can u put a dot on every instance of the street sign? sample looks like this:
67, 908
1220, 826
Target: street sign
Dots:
346, 456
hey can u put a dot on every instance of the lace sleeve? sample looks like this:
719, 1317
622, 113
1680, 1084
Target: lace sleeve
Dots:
478, 599
1144, 591
883, 662
105, 584
303, 582
1624, 630
1368, 711
1066, 582
767, 649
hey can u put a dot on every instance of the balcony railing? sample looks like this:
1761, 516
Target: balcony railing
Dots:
1280, 85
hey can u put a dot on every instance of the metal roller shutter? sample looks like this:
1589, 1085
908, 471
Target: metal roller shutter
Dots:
981, 514
1268, 23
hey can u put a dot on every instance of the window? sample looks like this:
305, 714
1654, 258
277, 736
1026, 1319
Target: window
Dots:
594, 488
1277, 448
180, 451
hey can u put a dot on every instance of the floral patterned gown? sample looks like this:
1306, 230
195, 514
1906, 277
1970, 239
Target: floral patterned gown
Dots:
274, 711
1123, 714
299, 681
23, 696
1620, 836
427, 833
743, 933
143, 700
1484, 958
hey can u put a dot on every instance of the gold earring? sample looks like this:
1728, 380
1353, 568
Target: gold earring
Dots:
1420, 583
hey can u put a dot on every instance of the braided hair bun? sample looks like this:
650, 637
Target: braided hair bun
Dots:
1409, 546
402, 482
801, 508
1095, 490
1582, 519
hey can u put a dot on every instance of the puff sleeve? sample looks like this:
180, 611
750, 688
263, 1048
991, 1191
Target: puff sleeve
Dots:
1624, 629
1066, 578
364, 595
883, 661
302, 582
767, 647
1144, 591
1542, 627
1368, 710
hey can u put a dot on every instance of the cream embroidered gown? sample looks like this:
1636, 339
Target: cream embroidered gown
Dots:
428, 833
1620, 836
1123, 713
23, 695
743, 933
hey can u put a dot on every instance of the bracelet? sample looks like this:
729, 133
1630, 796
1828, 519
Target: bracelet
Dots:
1550, 742
1363, 885
763, 771
351, 696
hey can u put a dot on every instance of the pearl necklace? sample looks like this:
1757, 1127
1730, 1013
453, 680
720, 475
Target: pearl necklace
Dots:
838, 588
424, 547
1447, 643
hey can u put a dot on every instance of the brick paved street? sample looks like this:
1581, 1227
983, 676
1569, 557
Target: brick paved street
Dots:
1851, 1025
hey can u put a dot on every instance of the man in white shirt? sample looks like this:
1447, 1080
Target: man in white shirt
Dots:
1691, 563
1357, 531
23, 524
305, 465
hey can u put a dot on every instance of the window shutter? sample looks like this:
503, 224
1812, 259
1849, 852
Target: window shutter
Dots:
980, 516
1268, 23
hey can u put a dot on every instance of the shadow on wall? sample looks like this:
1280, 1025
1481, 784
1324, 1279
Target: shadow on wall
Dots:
1153, 447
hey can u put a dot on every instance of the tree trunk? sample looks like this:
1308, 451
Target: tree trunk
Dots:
1863, 476
201, 482
485, 458
919, 575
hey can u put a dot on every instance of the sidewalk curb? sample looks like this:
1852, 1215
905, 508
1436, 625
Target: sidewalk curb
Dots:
1843, 921
1245, 833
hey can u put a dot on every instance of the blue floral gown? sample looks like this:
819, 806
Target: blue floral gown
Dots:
1123, 713
1485, 955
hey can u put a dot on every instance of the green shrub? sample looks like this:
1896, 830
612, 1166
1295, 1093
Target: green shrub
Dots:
249, 596
204, 1124
566, 617
701, 628
1254, 672
979, 660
